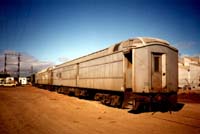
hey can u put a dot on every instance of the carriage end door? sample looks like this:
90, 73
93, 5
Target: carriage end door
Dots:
158, 71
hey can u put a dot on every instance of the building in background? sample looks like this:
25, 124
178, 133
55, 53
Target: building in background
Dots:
22, 80
8, 82
189, 72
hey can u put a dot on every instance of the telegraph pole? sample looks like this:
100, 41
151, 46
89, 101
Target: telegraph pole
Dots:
18, 70
5, 63
18, 63
31, 70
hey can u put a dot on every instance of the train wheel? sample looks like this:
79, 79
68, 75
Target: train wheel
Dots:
61, 90
67, 91
106, 99
98, 96
115, 100
77, 92
136, 105
58, 90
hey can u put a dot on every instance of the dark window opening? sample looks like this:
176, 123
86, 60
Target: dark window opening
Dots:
59, 75
116, 47
129, 57
156, 64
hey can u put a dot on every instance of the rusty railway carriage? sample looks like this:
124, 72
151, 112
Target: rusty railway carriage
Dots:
139, 71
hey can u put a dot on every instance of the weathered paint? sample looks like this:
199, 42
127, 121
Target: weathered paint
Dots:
114, 69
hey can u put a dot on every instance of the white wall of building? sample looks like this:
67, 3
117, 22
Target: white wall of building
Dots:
23, 80
189, 72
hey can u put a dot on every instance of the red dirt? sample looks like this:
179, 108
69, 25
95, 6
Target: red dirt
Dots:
29, 110
190, 96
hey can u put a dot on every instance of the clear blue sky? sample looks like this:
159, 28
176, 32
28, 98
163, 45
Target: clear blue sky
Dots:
53, 29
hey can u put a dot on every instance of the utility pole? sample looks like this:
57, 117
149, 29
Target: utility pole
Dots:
31, 70
7, 63
18, 65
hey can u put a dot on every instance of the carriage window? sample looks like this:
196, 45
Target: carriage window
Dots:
116, 47
59, 75
156, 64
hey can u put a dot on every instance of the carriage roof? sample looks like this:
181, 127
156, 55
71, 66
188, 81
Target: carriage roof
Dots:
121, 46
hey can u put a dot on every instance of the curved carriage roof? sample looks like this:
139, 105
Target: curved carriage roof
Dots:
45, 70
142, 41
130, 43
137, 43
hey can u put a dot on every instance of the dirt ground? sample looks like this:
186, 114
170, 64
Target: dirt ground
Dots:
29, 110
191, 96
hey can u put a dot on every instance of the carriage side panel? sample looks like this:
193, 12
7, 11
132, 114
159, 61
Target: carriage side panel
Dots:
65, 76
104, 73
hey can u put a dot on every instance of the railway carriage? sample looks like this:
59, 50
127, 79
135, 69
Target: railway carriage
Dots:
139, 71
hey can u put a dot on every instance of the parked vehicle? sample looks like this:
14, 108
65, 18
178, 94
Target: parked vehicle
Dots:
8, 82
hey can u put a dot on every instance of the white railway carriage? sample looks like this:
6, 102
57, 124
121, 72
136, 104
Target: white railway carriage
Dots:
141, 70
44, 77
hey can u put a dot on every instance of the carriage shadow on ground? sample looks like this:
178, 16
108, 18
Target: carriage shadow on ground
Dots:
155, 108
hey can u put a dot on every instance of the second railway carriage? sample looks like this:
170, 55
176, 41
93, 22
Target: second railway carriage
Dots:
43, 78
140, 70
